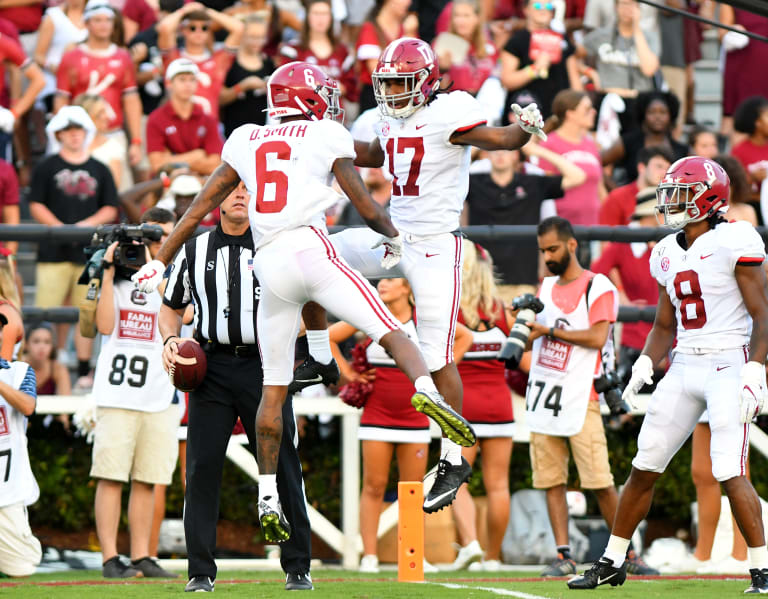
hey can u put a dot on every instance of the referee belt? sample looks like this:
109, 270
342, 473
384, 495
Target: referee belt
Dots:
239, 351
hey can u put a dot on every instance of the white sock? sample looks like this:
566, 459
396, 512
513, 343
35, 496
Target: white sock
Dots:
616, 550
267, 485
425, 383
320, 346
758, 557
450, 451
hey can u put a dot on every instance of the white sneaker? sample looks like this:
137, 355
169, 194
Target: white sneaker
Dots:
468, 554
690, 564
491, 565
429, 568
369, 564
729, 565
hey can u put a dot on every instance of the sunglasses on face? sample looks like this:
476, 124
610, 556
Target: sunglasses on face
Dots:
543, 6
197, 27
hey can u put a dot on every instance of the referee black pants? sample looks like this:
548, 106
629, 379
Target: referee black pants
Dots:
232, 388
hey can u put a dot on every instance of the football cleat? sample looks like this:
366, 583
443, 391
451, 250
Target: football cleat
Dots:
759, 581
636, 565
447, 482
453, 425
562, 566
200, 584
274, 525
312, 372
601, 572
298, 582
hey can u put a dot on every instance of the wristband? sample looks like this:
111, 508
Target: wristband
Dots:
167, 339
136, 141
165, 179
14, 113
237, 89
552, 332
106, 264
531, 71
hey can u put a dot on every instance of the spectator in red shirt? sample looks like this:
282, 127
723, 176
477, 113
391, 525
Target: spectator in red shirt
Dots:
318, 45
384, 25
626, 264
619, 206
99, 67
138, 15
751, 117
196, 23
9, 200
179, 131
13, 54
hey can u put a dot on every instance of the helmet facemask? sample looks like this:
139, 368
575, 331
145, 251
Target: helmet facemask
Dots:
331, 94
677, 202
392, 104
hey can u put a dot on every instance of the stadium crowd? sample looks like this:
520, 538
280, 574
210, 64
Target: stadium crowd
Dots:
112, 108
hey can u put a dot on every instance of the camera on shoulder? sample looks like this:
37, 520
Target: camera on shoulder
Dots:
130, 254
528, 306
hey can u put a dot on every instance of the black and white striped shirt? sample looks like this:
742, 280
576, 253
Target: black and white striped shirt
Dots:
215, 271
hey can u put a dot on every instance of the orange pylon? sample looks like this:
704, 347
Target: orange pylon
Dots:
410, 532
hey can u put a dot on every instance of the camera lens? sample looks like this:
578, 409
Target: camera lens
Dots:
514, 346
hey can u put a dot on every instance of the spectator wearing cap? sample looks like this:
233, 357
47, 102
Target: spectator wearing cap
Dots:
99, 67
619, 206
538, 59
194, 22
180, 131
626, 264
69, 188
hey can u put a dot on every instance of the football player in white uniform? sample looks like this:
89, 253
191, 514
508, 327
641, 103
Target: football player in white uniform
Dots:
286, 168
424, 140
711, 283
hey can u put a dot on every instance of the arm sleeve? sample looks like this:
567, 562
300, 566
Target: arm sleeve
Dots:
367, 46
63, 81
9, 185
462, 113
517, 46
745, 244
39, 185
11, 51
336, 141
592, 41
29, 383
233, 147
606, 261
654, 264
129, 77
603, 300
552, 186
177, 292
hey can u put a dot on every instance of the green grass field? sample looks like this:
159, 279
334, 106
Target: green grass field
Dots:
332, 583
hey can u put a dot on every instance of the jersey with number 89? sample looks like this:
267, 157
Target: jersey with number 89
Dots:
287, 169
430, 174
701, 283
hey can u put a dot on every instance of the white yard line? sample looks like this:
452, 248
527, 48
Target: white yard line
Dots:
497, 591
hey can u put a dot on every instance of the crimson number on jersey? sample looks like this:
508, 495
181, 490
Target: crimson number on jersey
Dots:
278, 178
551, 401
693, 315
405, 144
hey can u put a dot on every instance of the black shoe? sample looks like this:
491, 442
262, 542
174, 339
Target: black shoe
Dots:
298, 582
274, 524
151, 569
601, 572
312, 372
759, 581
200, 584
453, 424
448, 480
636, 565
114, 568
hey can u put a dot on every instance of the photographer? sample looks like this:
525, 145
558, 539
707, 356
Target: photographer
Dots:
135, 435
562, 405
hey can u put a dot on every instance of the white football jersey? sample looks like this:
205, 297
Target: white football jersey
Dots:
431, 175
17, 483
287, 170
701, 284
129, 371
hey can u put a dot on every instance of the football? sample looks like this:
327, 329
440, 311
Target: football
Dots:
190, 367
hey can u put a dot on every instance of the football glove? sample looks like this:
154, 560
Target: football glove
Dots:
149, 276
642, 374
530, 120
393, 250
7, 120
751, 391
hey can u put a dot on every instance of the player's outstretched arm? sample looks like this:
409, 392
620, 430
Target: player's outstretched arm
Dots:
218, 186
350, 182
752, 284
510, 137
662, 334
369, 155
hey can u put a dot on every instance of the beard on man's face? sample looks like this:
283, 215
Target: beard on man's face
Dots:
559, 267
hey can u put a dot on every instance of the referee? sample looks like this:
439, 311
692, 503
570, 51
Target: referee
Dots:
215, 272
